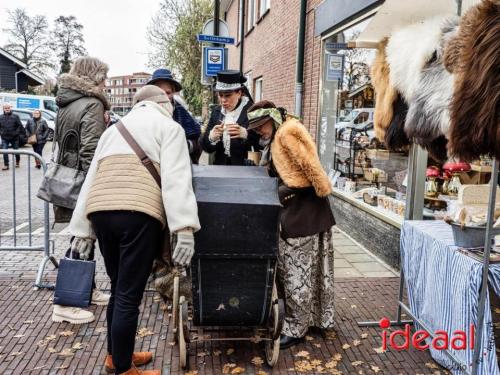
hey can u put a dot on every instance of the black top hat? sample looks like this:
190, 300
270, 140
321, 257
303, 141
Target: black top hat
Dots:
230, 80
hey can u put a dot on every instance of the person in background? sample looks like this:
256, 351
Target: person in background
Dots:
11, 128
305, 260
79, 125
226, 133
123, 206
164, 79
38, 126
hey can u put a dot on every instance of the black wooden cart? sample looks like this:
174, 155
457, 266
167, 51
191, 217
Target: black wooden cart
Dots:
234, 267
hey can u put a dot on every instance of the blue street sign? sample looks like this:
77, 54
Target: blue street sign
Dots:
28, 103
334, 67
215, 39
332, 45
214, 60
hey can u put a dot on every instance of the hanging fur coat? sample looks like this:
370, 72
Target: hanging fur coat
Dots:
474, 57
386, 94
428, 118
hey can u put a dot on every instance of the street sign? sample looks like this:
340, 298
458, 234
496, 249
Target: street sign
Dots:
214, 60
334, 67
215, 39
332, 45
208, 28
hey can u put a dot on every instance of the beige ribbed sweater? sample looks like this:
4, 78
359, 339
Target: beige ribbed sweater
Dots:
123, 183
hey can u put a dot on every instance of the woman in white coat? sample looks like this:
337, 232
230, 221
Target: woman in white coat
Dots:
122, 205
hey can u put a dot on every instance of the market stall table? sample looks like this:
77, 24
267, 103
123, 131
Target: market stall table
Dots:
443, 287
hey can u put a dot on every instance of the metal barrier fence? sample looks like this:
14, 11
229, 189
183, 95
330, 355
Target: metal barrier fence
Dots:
44, 247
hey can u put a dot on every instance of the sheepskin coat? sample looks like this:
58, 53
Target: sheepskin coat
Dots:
428, 115
386, 94
296, 159
474, 57
409, 50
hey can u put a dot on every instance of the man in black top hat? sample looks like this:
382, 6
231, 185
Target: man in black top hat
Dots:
164, 79
226, 133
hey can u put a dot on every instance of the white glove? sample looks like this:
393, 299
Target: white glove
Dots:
184, 249
82, 246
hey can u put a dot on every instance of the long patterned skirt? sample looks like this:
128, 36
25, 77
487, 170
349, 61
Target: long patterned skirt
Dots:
305, 269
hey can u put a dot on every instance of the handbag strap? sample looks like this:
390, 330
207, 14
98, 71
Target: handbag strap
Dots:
145, 160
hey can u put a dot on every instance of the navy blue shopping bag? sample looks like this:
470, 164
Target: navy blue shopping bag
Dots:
74, 282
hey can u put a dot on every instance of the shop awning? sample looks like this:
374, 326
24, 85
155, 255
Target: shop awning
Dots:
394, 14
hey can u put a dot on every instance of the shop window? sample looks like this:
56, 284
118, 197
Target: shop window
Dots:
258, 89
359, 166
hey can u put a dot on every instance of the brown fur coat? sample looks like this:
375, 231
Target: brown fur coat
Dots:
474, 57
386, 93
296, 159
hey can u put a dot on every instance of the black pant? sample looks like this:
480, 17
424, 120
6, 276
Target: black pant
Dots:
6, 143
129, 242
38, 148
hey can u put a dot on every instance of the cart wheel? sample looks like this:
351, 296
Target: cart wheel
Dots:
183, 346
175, 305
272, 351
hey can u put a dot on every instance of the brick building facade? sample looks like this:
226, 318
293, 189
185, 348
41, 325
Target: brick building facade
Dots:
270, 53
121, 90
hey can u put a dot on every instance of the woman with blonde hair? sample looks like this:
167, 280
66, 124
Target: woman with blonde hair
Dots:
305, 260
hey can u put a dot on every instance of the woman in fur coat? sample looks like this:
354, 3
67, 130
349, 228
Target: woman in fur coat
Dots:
305, 261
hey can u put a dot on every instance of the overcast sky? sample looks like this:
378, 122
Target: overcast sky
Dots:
114, 30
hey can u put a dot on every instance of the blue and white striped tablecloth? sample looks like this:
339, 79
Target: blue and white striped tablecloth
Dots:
443, 288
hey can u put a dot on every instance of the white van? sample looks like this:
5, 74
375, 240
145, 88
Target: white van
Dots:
357, 118
25, 101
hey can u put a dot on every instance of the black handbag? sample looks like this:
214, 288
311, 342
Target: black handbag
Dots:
74, 282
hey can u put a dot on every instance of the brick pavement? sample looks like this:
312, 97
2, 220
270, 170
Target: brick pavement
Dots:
25, 323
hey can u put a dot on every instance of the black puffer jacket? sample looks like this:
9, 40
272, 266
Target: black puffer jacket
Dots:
41, 128
11, 126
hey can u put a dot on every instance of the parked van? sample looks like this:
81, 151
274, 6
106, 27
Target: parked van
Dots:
25, 101
358, 118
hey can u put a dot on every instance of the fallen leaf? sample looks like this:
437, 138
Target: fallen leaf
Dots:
257, 361
221, 307
379, 350
77, 346
357, 363
15, 354
356, 342
28, 322
238, 370
52, 350
51, 338
143, 332
66, 333
226, 369
172, 343
230, 351
216, 352
364, 335
375, 369
67, 352
37, 368
191, 373
354, 307
303, 366
101, 330
18, 336
320, 369
63, 367
164, 307
202, 354
317, 345
337, 357
331, 335
346, 346
302, 354
331, 364
260, 372
431, 365
309, 338
255, 339
316, 362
